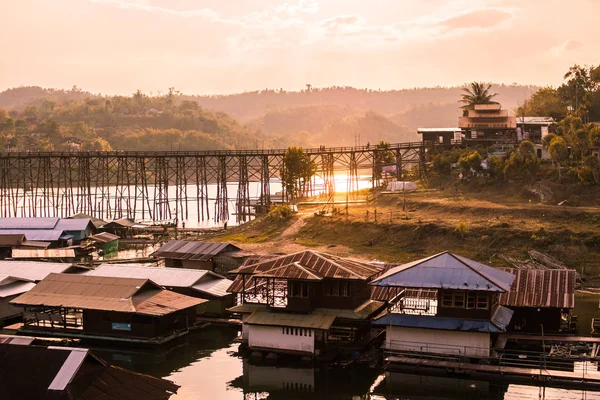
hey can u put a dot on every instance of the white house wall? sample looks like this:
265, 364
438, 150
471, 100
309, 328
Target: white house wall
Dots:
271, 337
244, 327
471, 344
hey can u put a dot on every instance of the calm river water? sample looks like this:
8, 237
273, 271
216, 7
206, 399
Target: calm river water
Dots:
207, 366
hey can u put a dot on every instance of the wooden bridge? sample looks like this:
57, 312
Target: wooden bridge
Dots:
165, 184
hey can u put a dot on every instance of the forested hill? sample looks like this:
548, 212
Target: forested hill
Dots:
32, 118
251, 105
73, 120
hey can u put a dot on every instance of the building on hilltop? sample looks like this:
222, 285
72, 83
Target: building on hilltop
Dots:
489, 124
306, 303
102, 308
444, 304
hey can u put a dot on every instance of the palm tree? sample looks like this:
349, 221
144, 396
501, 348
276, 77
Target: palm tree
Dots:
478, 93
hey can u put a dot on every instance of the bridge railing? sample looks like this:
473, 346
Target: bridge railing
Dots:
119, 153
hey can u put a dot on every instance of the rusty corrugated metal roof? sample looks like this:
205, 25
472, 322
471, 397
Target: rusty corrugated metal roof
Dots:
311, 321
43, 253
103, 293
11, 239
196, 251
310, 264
104, 237
554, 288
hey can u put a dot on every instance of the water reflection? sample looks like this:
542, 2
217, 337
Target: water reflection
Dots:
207, 365
283, 381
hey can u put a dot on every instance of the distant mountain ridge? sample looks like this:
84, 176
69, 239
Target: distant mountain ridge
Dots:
316, 116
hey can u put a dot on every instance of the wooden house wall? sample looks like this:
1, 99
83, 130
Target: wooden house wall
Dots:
359, 293
101, 322
191, 264
7, 310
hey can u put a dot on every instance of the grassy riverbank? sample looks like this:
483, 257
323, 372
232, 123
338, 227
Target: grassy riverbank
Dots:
479, 221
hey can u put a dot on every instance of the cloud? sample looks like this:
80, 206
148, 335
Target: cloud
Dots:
483, 18
301, 6
339, 21
565, 47
143, 6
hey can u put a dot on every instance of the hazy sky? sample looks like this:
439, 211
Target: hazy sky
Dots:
224, 46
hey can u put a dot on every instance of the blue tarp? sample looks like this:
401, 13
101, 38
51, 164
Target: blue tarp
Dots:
451, 324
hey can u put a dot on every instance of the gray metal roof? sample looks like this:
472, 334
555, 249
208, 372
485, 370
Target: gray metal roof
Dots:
214, 287
215, 284
74, 224
444, 323
197, 251
15, 288
434, 130
447, 271
104, 237
44, 235
31, 270
28, 223
535, 120
313, 321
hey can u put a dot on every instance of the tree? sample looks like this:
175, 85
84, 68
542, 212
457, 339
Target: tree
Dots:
547, 140
478, 93
382, 155
558, 153
296, 172
577, 92
546, 102
523, 163
470, 161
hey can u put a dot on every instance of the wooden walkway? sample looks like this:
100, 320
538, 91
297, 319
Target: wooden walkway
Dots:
590, 377
552, 338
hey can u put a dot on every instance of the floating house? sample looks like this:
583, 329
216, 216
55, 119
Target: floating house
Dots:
445, 304
9, 242
307, 303
542, 300
213, 256
59, 232
102, 308
191, 282
107, 242
124, 227
64, 373
18, 277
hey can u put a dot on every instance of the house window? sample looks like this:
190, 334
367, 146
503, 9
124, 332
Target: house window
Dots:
298, 289
471, 299
343, 289
309, 332
459, 299
482, 301
447, 299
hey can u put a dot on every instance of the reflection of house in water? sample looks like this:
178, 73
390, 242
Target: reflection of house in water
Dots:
305, 303
444, 304
412, 386
293, 381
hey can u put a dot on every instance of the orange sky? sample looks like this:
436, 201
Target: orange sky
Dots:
225, 46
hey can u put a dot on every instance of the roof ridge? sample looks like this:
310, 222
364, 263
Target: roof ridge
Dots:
321, 255
388, 273
456, 257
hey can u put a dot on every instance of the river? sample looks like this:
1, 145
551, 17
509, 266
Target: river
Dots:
206, 365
